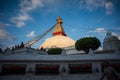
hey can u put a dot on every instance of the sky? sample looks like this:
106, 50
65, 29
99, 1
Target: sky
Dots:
23, 20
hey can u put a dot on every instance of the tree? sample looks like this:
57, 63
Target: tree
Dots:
87, 43
54, 51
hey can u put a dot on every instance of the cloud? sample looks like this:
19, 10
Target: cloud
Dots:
28, 5
5, 35
109, 8
31, 34
3, 25
25, 7
20, 23
97, 32
92, 5
100, 30
103, 31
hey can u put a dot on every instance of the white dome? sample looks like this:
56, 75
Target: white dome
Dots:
58, 41
111, 42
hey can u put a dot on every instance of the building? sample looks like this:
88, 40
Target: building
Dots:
59, 38
111, 42
32, 64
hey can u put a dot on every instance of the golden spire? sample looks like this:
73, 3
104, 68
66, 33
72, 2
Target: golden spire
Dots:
59, 31
59, 20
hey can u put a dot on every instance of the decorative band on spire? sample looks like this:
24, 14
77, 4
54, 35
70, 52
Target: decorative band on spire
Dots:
59, 31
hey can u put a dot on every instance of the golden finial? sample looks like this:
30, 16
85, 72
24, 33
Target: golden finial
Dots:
59, 20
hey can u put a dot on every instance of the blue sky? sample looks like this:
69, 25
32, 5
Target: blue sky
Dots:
22, 20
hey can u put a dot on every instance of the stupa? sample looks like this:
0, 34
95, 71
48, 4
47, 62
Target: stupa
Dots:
111, 42
59, 38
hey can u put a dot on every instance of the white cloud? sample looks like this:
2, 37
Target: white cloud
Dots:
100, 30
5, 35
109, 8
20, 24
23, 17
3, 25
25, 7
97, 32
31, 34
28, 5
91, 5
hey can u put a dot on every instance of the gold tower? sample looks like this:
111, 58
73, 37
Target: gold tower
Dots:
59, 31
59, 38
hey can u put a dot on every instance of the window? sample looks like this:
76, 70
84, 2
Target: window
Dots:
45, 69
80, 68
13, 69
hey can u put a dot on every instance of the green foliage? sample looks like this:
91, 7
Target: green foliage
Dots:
87, 43
54, 51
